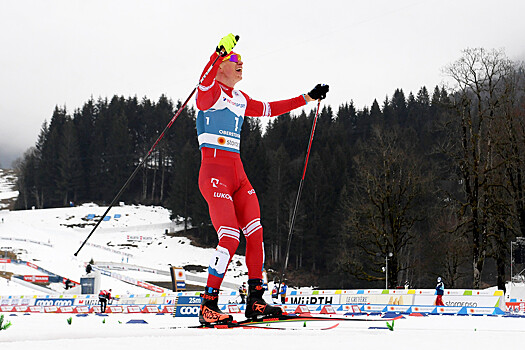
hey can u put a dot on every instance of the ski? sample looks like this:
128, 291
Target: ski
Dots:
295, 323
279, 324
290, 322
335, 317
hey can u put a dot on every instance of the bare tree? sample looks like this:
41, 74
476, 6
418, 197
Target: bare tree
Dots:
479, 77
381, 214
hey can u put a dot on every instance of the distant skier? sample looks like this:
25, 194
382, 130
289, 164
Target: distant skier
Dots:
283, 293
231, 199
440, 289
104, 296
275, 295
242, 292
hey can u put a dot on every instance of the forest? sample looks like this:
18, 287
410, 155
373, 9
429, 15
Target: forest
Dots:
430, 183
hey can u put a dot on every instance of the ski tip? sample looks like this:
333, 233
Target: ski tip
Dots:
332, 327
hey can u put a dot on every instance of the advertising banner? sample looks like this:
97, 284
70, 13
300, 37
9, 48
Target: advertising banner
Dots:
186, 311
187, 306
32, 265
82, 309
36, 279
460, 300
133, 309
16, 301
54, 302
313, 299
151, 309
378, 299
36, 309
516, 307
182, 300
87, 301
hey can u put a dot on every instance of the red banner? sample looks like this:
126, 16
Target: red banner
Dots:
133, 309
32, 265
150, 309
82, 309
51, 309
516, 307
5, 261
36, 279
150, 287
36, 309
66, 309
115, 309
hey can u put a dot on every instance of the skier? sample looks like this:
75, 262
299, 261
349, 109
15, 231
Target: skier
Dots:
440, 289
283, 293
242, 292
275, 296
231, 198
104, 296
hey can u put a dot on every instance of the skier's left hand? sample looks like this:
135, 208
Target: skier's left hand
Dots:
318, 92
227, 44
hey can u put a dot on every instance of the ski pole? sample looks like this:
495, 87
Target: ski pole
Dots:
151, 150
290, 232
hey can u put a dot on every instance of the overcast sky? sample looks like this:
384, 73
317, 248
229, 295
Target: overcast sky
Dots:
62, 52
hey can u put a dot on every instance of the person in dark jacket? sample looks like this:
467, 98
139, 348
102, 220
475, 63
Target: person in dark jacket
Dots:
283, 293
242, 292
104, 296
440, 289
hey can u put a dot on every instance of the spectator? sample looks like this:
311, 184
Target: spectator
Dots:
242, 292
283, 293
440, 289
275, 295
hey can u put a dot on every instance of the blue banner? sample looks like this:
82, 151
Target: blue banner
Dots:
187, 311
54, 302
184, 300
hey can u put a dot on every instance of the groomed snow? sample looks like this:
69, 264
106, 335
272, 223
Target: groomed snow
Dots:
51, 331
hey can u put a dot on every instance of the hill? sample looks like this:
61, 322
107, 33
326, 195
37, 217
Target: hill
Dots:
134, 235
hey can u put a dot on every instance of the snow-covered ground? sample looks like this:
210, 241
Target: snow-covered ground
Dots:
56, 234
133, 235
7, 188
51, 331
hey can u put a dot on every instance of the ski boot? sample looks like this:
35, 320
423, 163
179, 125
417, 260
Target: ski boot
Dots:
209, 313
256, 307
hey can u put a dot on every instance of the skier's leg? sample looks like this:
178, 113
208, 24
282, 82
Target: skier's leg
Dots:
248, 214
216, 186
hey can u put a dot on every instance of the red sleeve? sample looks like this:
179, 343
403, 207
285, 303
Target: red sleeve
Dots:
256, 108
208, 91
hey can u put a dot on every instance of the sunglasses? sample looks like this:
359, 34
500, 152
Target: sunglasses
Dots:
235, 58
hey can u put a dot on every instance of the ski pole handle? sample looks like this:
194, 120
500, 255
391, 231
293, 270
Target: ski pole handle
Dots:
222, 51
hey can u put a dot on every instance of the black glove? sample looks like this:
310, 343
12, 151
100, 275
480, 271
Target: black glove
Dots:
319, 92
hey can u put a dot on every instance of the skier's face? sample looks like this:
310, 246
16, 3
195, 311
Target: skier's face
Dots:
231, 71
